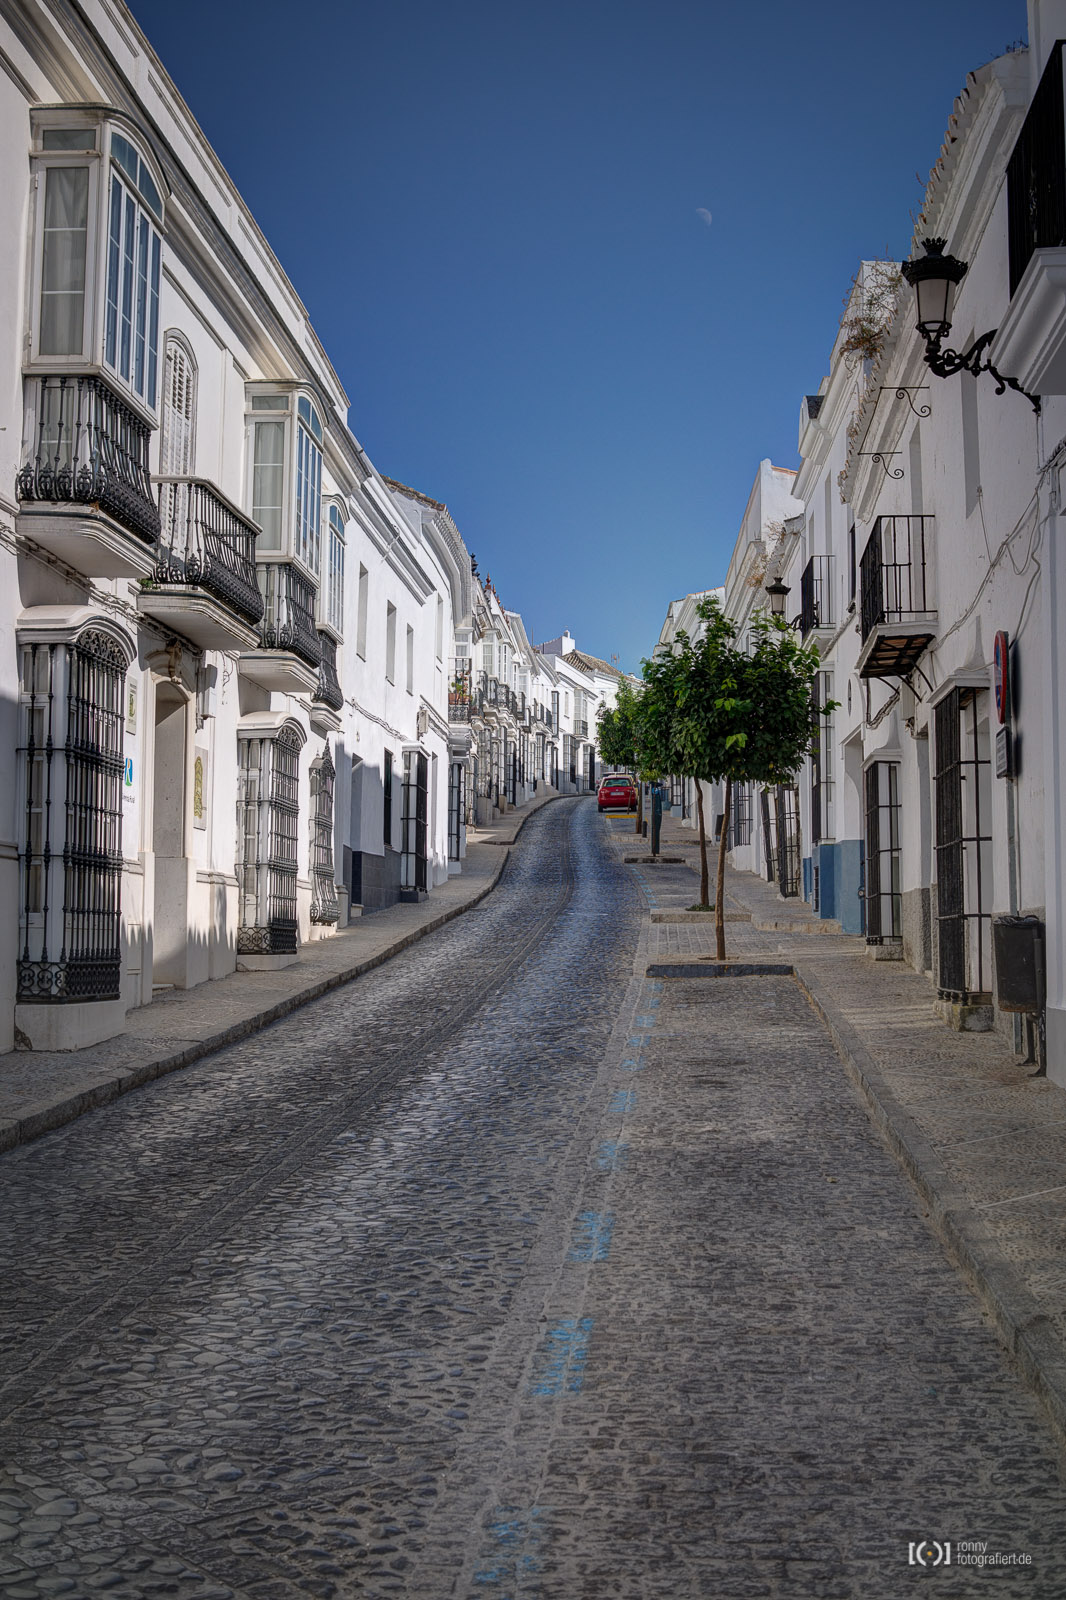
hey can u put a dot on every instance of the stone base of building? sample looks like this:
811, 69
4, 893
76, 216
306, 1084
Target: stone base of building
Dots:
267, 963
966, 1017
68, 1027
885, 952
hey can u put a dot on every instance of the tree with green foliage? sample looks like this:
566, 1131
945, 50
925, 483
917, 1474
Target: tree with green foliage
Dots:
620, 736
736, 716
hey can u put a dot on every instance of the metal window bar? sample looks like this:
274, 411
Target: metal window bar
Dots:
413, 873
883, 854
740, 815
208, 544
90, 448
1036, 174
769, 833
329, 691
288, 611
72, 764
963, 849
788, 840
456, 809
325, 907
268, 821
815, 595
893, 573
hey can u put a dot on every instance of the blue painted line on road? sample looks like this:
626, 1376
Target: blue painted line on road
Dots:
638, 1041
612, 1155
623, 1101
559, 1364
592, 1236
633, 1065
512, 1542
644, 1022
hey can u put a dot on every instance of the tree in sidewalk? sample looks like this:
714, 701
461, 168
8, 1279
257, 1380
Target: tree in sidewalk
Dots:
620, 737
741, 716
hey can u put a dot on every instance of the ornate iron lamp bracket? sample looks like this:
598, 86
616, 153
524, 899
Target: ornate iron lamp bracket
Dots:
944, 363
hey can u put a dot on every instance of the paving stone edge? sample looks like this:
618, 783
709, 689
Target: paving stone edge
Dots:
1015, 1314
25, 1129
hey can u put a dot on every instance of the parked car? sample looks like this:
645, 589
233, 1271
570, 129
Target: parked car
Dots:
617, 792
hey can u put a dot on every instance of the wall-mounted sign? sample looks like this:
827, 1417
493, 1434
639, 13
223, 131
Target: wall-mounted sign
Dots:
131, 705
1001, 675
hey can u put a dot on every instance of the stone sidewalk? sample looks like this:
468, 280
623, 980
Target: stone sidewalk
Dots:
41, 1090
983, 1140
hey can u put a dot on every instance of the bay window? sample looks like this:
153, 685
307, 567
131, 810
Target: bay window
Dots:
333, 609
285, 463
98, 257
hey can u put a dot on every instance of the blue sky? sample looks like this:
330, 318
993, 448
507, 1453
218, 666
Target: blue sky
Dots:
576, 263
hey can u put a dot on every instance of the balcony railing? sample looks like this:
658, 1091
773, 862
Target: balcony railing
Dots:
288, 611
90, 448
1036, 174
815, 608
458, 708
896, 598
328, 692
208, 544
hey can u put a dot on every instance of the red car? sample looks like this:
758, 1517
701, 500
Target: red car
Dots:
617, 792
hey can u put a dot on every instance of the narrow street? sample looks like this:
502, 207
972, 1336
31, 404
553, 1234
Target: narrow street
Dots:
505, 1271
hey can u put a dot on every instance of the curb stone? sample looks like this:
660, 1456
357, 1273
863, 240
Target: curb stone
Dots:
23, 1130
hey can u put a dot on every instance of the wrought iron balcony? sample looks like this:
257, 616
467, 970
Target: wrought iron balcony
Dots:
207, 544
815, 597
288, 611
898, 619
329, 692
89, 449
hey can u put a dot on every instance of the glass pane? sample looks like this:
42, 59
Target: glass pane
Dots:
140, 326
66, 212
126, 339
153, 323
114, 257
126, 156
68, 139
268, 482
270, 402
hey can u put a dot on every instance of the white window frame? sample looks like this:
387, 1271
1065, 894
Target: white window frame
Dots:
292, 407
97, 160
331, 592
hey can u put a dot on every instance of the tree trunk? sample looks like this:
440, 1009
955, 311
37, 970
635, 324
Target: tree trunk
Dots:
719, 896
705, 887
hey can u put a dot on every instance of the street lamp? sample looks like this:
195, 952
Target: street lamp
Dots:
934, 278
779, 593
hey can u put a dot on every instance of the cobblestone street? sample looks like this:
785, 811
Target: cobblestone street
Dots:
505, 1271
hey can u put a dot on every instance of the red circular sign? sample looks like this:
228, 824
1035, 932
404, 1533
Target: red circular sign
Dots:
1001, 675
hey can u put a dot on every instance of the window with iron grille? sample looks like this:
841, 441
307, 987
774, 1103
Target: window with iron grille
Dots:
413, 873
882, 875
963, 845
456, 808
740, 814
71, 771
268, 810
324, 905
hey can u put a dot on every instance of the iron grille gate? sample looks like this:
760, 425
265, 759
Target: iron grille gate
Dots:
816, 759
324, 904
73, 720
456, 809
769, 833
788, 840
415, 813
962, 846
740, 815
884, 898
268, 810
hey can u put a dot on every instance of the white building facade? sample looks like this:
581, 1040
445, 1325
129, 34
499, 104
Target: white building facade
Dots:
238, 665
